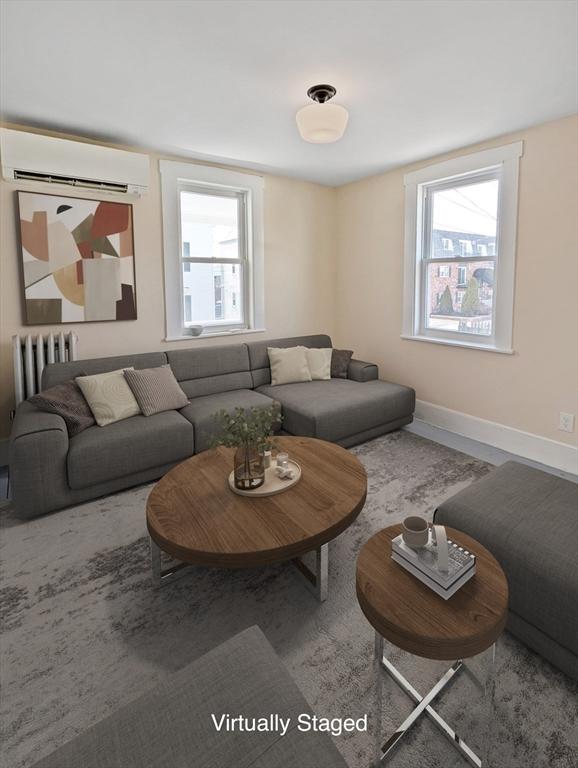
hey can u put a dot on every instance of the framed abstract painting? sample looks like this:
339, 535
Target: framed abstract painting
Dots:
77, 259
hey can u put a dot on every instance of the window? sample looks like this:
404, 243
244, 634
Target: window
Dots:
470, 202
216, 278
186, 254
188, 309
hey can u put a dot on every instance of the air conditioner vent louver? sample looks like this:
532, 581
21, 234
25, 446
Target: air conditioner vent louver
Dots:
38, 159
84, 183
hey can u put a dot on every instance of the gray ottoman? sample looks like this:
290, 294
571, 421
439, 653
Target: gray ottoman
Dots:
171, 726
528, 519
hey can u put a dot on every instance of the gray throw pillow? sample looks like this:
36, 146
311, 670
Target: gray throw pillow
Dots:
66, 400
340, 363
156, 389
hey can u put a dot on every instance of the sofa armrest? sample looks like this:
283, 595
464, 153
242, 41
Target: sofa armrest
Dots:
361, 371
38, 450
30, 420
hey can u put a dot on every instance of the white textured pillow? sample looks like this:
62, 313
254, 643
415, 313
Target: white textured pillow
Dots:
109, 396
319, 362
288, 365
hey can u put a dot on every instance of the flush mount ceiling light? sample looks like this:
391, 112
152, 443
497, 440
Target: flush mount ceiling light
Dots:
320, 122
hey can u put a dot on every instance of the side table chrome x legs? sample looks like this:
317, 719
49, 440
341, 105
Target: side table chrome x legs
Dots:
423, 703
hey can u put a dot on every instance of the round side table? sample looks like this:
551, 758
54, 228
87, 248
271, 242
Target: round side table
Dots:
408, 614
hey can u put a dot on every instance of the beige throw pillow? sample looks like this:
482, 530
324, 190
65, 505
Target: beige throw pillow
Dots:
288, 365
319, 361
109, 396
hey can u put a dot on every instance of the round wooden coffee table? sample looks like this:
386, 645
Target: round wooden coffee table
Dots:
408, 614
193, 515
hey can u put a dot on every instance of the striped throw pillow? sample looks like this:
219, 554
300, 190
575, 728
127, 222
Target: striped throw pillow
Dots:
156, 389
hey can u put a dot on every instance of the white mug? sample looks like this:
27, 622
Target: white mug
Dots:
415, 531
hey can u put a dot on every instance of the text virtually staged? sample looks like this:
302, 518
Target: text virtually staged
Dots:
288, 384
274, 723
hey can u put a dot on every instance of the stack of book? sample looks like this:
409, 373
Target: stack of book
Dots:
422, 563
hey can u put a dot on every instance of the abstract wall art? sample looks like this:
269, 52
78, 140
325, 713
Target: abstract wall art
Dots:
77, 259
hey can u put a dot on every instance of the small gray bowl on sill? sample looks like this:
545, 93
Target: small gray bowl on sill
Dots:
193, 330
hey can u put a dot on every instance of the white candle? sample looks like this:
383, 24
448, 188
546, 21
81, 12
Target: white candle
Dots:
283, 460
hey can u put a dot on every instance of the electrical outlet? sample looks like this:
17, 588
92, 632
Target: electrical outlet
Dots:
566, 422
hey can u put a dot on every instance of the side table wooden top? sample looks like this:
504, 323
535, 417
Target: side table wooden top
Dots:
413, 617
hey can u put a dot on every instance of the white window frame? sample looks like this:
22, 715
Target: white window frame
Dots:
503, 161
248, 189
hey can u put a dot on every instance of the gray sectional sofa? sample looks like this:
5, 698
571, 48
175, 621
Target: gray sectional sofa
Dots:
49, 470
172, 725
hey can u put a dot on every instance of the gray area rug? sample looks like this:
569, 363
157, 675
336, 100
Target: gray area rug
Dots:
84, 632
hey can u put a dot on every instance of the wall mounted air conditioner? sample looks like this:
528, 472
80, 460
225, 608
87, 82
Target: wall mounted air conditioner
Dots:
35, 158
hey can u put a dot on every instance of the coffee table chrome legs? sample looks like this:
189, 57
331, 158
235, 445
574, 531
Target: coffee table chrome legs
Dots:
423, 703
316, 580
163, 575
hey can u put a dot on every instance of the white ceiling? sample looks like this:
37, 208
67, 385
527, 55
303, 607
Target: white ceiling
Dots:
223, 80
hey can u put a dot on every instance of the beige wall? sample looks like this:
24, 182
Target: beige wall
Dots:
334, 263
526, 390
299, 276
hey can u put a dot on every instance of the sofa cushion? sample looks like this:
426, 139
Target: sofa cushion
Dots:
156, 389
201, 412
171, 726
209, 370
100, 454
55, 373
338, 408
259, 358
528, 519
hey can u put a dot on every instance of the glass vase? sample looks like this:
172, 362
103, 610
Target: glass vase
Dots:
249, 468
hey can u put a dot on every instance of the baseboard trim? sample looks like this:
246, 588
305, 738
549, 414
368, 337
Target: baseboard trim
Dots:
3, 451
539, 449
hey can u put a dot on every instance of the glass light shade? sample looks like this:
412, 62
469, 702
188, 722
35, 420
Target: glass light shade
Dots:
322, 123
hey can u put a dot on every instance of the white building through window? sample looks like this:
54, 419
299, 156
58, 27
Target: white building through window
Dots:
470, 202
213, 249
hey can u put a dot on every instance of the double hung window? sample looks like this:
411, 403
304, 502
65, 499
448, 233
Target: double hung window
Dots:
460, 250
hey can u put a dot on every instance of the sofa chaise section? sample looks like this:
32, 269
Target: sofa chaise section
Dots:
345, 411
172, 725
528, 519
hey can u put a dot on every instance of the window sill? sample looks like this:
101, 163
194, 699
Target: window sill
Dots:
465, 344
212, 334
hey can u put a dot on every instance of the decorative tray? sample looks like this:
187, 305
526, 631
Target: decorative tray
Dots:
273, 483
